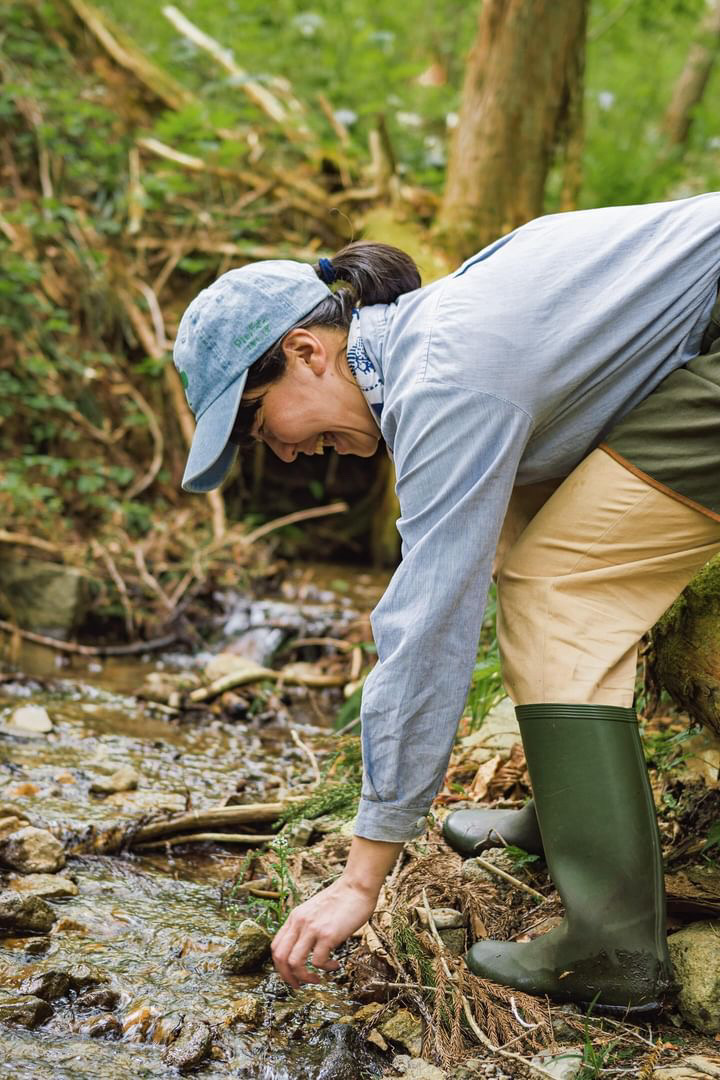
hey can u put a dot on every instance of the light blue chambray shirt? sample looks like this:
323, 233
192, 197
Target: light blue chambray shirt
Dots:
507, 372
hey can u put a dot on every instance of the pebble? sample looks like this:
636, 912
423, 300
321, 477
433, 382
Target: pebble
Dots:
10, 825
695, 954
405, 1030
249, 951
24, 1010
192, 1046
31, 719
123, 779
246, 1009
102, 998
103, 1027
33, 851
48, 886
25, 913
48, 985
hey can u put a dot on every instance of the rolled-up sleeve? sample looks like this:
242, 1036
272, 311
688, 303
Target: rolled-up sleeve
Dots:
456, 454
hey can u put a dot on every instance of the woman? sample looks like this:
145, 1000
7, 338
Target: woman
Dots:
573, 356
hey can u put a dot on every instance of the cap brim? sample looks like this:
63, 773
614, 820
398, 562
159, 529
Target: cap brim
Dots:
212, 454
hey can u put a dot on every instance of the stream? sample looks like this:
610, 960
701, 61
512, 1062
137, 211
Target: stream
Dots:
148, 928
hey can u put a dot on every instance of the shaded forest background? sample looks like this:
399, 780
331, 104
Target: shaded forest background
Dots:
144, 150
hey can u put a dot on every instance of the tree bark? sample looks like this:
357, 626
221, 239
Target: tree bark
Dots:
685, 654
521, 99
690, 86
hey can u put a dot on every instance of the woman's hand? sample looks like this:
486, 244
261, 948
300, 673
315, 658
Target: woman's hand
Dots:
327, 919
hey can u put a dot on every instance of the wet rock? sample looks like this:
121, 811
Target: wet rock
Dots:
36, 946
345, 1056
192, 1046
24, 1010
87, 977
31, 719
405, 1030
376, 1039
48, 985
103, 1027
695, 954
249, 951
66, 925
10, 825
33, 851
47, 886
275, 988
138, 1022
417, 1069
246, 1009
123, 779
11, 809
29, 914
565, 1065
103, 998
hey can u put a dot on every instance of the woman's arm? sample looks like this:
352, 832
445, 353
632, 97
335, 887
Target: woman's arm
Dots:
325, 920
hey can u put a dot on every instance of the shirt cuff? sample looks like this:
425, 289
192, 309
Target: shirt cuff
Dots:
382, 821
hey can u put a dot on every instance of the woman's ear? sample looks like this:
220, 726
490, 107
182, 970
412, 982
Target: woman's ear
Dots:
303, 347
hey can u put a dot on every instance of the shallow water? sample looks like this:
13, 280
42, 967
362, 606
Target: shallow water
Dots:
153, 924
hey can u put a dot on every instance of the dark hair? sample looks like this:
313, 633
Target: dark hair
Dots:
365, 274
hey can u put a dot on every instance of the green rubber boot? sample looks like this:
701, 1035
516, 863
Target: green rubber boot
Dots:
602, 847
473, 831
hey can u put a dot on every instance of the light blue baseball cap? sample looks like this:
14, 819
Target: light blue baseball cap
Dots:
225, 329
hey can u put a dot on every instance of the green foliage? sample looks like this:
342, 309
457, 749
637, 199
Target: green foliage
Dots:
271, 912
520, 859
486, 689
339, 790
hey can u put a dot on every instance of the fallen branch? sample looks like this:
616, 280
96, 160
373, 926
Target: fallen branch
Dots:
243, 677
216, 837
255, 813
132, 649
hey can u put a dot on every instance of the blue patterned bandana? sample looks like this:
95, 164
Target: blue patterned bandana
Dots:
363, 370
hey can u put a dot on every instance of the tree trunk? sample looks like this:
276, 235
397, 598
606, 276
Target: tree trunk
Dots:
522, 96
685, 656
693, 80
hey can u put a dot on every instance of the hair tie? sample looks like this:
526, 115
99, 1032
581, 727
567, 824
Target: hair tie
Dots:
326, 271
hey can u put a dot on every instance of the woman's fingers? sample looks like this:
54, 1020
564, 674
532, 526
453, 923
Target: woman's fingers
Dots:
298, 958
321, 956
282, 946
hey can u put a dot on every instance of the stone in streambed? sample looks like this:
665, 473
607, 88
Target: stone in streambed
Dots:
10, 825
24, 914
48, 985
86, 977
191, 1047
246, 1009
405, 1030
123, 779
695, 954
47, 886
103, 1027
31, 720
249, 951
23, 1010
103, 998
32, 851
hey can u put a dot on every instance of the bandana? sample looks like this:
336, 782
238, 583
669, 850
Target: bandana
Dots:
363, 370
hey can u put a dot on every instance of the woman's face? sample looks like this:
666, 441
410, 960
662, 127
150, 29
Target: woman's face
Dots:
316, 402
